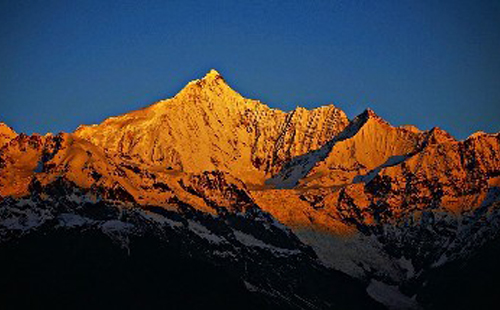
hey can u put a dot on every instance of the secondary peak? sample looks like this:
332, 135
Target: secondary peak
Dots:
369, 113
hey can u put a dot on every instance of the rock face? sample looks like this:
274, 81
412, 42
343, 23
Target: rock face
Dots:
6, 134
367, 143
303, 208
79, 195
209, 126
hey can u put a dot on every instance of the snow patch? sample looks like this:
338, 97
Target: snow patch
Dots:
39, 167
443, 259
355, 254
82, 199
251, 241
250, 287
119, 232
392, 161
408, 266
116, 226
73, 220
224, 254
24, 220
155, 217
25, 202
204, 233
390, 296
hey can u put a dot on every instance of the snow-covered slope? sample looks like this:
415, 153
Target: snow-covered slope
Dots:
294, 204
208, 125
6, 134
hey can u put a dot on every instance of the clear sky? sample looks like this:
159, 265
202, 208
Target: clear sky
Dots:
427, 63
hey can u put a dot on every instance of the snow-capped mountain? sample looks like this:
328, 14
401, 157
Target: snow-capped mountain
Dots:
301, 209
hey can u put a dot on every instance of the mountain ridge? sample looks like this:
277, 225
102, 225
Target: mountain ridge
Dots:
228, 129
237, 181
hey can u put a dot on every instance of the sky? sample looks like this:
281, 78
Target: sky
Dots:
426, 63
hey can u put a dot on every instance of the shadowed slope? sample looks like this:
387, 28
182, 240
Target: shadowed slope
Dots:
367, 142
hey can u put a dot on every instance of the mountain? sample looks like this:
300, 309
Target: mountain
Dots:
6, 134
367, 143
225, 132
294, 210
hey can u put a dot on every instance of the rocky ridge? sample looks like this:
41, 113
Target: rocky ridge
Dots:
225, 132
386, 205
6, 134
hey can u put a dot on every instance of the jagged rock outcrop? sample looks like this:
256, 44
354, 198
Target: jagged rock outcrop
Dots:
201, 218
414, 200
209, 126
6, 134
30, 162
260, 190
367, 143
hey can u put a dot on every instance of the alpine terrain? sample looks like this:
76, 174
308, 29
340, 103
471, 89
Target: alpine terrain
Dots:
212, 200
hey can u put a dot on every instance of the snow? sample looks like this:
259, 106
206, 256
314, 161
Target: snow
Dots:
160, 219
279, 225
392, 161
224, 254
73, 220
251, 241
408, 266
493, 195
81, 199
25, 202
39, 167
354, 254
395, 160
116, 226
250, 287
367, 178
24, 220
390, 296
298, 168
204, 233
118, 231
443, 259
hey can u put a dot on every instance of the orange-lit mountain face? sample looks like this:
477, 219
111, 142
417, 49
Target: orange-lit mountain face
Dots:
386, 205
209, 126
6, 134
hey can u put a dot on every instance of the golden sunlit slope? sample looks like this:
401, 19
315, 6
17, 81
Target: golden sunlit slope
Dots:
209, 126
441, 175
368, 142
349, 184
459, 174
6, 134
439, 180
31, 162
49, 157
375, 143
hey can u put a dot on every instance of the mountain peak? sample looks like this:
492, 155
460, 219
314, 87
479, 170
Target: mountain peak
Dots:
6, 134
364, 118
212, 74
5, 127
212, 79
369, 113
437, 135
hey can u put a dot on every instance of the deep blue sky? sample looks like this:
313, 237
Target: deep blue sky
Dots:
428, 63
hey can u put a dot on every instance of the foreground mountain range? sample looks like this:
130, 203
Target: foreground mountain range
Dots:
209, 199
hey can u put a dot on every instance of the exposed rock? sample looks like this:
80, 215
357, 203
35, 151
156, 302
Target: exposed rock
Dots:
247, 183
209, 126
6, 134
